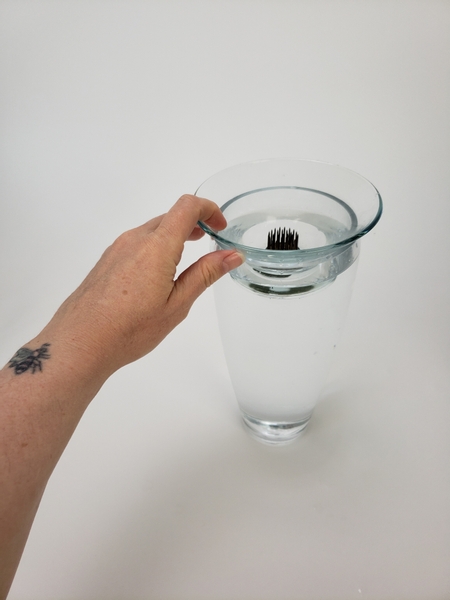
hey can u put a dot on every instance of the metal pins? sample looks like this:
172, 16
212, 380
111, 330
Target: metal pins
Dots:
282, 239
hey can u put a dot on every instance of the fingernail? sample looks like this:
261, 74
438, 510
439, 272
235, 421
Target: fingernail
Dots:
232, 261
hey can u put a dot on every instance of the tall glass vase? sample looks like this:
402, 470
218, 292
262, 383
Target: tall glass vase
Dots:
298, 224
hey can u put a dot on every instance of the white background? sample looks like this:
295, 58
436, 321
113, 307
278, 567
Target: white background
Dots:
109, 112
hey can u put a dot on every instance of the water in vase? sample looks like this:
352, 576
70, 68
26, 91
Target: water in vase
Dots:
279, 348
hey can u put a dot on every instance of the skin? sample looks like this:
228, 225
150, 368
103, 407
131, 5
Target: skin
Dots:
124, 308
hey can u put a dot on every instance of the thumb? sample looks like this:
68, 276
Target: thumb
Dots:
203, 273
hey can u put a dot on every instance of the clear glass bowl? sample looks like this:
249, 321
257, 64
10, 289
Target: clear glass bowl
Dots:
330, 207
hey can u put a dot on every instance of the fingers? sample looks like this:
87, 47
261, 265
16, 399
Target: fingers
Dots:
180, 223
197, 234
203, 273
152, 225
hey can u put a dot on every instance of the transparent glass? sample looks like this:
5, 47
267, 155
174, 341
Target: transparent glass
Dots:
280, 314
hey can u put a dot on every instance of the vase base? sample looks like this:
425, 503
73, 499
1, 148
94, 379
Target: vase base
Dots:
274, 433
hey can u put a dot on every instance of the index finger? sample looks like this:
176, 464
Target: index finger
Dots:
180, 221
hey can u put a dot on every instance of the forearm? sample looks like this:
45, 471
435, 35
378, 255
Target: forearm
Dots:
42, 399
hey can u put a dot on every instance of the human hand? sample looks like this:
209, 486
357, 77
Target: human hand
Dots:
126, 305
130, 301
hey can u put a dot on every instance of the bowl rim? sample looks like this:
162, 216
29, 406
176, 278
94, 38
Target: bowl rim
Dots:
291, 254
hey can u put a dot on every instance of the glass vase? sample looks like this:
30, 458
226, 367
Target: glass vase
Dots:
298, 224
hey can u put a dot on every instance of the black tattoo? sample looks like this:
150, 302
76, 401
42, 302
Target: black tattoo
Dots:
25, 359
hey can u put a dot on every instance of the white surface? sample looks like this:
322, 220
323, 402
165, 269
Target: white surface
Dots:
109, 112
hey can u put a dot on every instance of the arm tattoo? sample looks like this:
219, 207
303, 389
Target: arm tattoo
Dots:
25, 359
